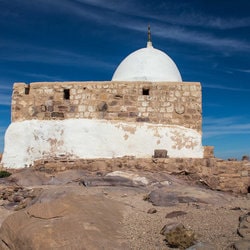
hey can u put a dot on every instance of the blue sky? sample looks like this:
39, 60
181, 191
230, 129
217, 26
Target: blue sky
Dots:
61, 40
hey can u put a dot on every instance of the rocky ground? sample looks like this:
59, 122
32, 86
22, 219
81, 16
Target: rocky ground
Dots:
79, 209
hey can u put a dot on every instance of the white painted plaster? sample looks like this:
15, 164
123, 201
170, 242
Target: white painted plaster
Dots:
147, 64
27, 141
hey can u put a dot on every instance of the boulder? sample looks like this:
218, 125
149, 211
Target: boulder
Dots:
162, 197
176, 235
65, 221
240, 245
173, 194
244, 226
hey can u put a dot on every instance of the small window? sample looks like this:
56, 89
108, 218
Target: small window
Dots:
66, 94
27, 90
145, 91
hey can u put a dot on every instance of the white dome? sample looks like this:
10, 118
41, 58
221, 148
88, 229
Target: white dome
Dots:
147, 64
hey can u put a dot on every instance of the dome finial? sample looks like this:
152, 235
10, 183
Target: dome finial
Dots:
149, 43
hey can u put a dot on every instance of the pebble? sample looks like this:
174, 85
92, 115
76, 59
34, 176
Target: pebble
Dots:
152, 211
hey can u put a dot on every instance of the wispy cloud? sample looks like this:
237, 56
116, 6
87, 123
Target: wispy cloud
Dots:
198, 19
167, 28
5, 99
5, 92
5, 87
181, 14
233, 153
2, 132
42, 76
223, 87
50, 56
243, 70
225, 125
176, 25
216, 105
202, 38
182, 34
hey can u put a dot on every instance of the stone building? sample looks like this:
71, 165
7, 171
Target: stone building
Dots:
146, 106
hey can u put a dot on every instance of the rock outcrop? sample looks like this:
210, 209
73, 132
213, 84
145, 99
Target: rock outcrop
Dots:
64, 221
217, 174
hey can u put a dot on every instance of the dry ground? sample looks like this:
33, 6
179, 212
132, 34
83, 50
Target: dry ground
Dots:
212, 215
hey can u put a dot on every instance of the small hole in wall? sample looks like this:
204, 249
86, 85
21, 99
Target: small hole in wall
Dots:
27, 90
145, 91
248, 189
66, 94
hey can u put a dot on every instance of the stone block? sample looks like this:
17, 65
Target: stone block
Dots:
170, 109
57, 115
132, 109
50, 108
102, 107
142, 119
245, 173
63, 108
160, 153
177, 93
193, 88
48, 91
133, 114
208, 152
141, 98
123, 114
72, 109
91, 109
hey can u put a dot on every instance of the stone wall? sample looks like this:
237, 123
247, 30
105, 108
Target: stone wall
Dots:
159, 103
217, 174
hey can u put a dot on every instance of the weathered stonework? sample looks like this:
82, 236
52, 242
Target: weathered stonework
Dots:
157, 103
103, 120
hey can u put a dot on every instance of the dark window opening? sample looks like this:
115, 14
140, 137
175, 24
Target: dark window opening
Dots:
248, 189
66, 94
145, 91
27, 90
